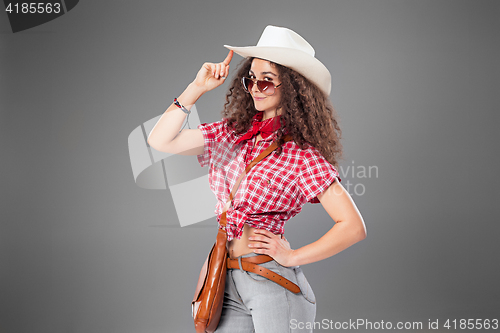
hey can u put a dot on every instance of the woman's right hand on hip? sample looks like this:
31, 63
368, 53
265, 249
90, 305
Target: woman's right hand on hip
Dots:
211, 75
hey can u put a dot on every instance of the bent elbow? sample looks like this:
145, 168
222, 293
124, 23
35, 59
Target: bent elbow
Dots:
361, 233
150, 141
153, 141
154, 144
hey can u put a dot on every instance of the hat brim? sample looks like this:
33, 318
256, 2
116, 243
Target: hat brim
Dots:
302, 62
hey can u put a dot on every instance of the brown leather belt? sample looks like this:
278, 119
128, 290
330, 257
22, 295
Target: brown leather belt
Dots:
250, 264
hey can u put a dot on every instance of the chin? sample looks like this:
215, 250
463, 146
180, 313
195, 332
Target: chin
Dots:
259, 107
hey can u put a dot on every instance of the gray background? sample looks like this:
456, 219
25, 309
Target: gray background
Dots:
84, 249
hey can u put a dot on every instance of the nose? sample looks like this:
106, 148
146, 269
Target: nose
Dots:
254, 89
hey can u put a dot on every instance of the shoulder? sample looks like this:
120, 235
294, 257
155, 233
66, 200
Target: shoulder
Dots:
307, 154
315, 174
311, 160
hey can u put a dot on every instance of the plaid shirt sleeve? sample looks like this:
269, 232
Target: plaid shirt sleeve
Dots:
210, 131
316, 175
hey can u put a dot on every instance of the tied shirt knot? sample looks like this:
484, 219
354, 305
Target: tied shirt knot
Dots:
235, 220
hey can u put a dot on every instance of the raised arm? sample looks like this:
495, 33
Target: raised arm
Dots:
165, 134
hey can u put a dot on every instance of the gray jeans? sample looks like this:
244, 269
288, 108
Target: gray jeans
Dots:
253, 303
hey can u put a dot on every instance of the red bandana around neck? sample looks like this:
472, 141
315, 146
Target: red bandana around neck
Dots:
265, 128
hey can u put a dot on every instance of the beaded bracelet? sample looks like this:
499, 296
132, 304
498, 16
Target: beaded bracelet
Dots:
180, 106
186, 111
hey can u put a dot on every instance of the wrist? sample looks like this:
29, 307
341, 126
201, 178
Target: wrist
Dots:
190, 95
197, 89
292, 258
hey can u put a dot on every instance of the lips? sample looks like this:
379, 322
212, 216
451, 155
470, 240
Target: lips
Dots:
258, 98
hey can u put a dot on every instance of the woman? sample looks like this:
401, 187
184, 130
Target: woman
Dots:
280, 89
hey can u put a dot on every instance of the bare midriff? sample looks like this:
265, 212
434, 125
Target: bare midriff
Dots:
238, 247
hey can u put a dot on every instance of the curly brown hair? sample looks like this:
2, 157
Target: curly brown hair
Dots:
307, 112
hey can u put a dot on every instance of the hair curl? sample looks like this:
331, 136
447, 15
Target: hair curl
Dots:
307, 112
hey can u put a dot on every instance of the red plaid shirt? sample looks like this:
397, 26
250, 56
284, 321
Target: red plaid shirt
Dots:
274, 190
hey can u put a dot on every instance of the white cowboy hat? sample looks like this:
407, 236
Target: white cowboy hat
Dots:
285, 47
